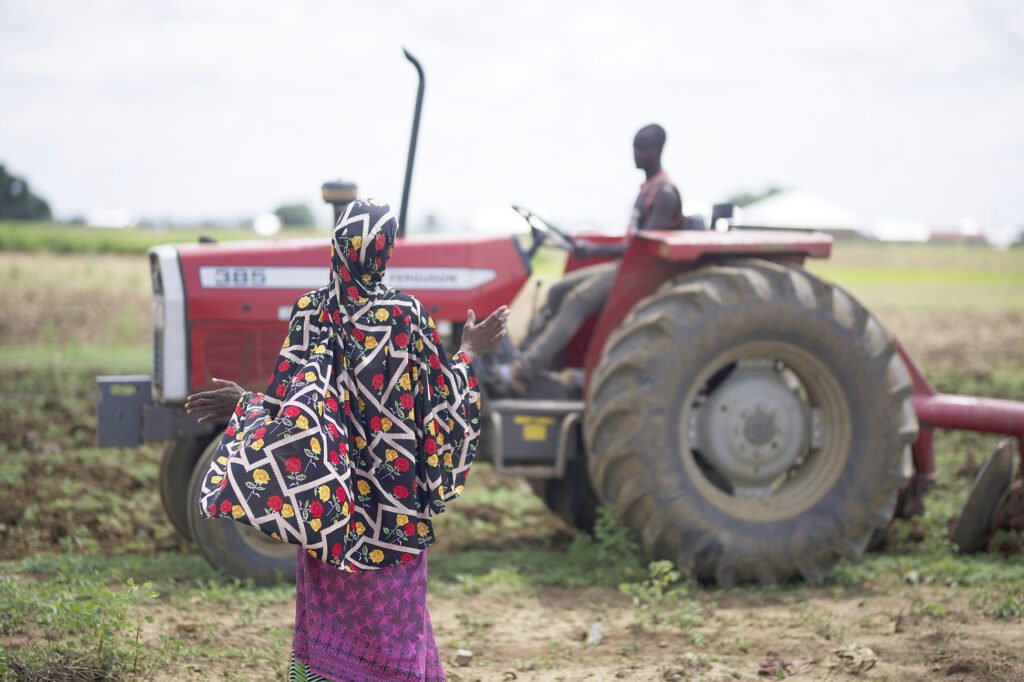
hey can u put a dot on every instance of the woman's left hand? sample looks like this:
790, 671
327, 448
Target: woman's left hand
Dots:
480, 337
218, 403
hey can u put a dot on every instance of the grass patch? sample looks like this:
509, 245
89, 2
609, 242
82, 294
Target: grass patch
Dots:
944, 257
131, 359
880, 289
59, 492
112, 275
927, 276
1006, 383
55, 238
181, 577
85, 501
607, 558
68, 617
53, 404
162, 570
76, 627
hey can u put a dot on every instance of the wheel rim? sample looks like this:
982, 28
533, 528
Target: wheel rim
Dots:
765, 431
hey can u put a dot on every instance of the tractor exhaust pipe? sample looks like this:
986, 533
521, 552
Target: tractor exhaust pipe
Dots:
412, 143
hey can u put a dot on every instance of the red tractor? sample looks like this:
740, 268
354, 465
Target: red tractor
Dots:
747, 420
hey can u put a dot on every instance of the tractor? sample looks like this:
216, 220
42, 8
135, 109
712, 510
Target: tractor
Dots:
747, 420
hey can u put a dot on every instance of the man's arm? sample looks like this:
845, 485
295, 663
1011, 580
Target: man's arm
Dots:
667, 205
585, 250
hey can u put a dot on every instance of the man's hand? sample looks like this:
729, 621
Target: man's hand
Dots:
478, 338
583, 251
586, 250
218, 403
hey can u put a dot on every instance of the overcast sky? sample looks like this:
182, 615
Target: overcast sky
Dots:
191, 109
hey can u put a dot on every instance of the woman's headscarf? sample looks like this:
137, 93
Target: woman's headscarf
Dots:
367, 429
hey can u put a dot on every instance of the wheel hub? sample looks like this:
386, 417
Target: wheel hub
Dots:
752, 427
760, 427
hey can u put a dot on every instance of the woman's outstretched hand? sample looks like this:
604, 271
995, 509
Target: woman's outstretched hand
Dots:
480, 337
218, 403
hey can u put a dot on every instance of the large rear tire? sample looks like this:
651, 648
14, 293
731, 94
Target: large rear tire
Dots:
235, 548
176, 465
751, 422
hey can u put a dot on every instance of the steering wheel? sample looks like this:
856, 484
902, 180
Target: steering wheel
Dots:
544, 232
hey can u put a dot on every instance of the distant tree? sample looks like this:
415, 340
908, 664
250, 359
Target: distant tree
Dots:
294, 215
17, 202
743, 199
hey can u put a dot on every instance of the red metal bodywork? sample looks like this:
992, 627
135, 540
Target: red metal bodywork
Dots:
653, 258
237, 331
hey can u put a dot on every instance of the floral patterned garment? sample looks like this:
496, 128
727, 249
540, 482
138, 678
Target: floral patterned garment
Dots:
366, 430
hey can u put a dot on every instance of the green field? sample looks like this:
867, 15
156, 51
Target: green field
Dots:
58, 238
928, 276
95, 584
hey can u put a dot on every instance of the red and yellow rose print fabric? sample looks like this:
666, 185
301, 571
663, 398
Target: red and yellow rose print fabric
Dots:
367, 428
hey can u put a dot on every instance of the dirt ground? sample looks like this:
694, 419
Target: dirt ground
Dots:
541, 636
911, 632
970, 341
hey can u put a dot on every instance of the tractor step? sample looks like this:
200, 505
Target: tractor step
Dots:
535, 438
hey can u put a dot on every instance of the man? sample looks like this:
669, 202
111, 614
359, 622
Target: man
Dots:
659, 206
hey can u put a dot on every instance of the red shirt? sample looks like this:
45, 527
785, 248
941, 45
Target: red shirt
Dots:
645, 202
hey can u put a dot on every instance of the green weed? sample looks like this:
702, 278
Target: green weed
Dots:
76, 627
664, 597
611, 555
928, 607
473, 623
498, 580
1011, 607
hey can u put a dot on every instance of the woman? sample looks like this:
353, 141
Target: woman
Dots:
362, 393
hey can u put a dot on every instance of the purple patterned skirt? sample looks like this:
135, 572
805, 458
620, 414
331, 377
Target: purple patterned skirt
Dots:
365, 627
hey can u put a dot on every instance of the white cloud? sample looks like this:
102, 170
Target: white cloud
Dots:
191, 109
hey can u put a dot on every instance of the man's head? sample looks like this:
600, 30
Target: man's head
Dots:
647, 146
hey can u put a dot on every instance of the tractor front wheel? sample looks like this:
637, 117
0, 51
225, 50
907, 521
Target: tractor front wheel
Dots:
235, 548
751, 423
176, 466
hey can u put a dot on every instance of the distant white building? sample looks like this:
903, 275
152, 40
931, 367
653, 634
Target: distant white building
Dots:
111, 217
901, 230
965, 231
802, 210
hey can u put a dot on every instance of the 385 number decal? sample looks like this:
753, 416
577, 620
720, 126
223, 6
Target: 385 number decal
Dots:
234, 277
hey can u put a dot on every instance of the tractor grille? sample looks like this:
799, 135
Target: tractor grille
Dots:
158, 361
248, 355
158, 325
